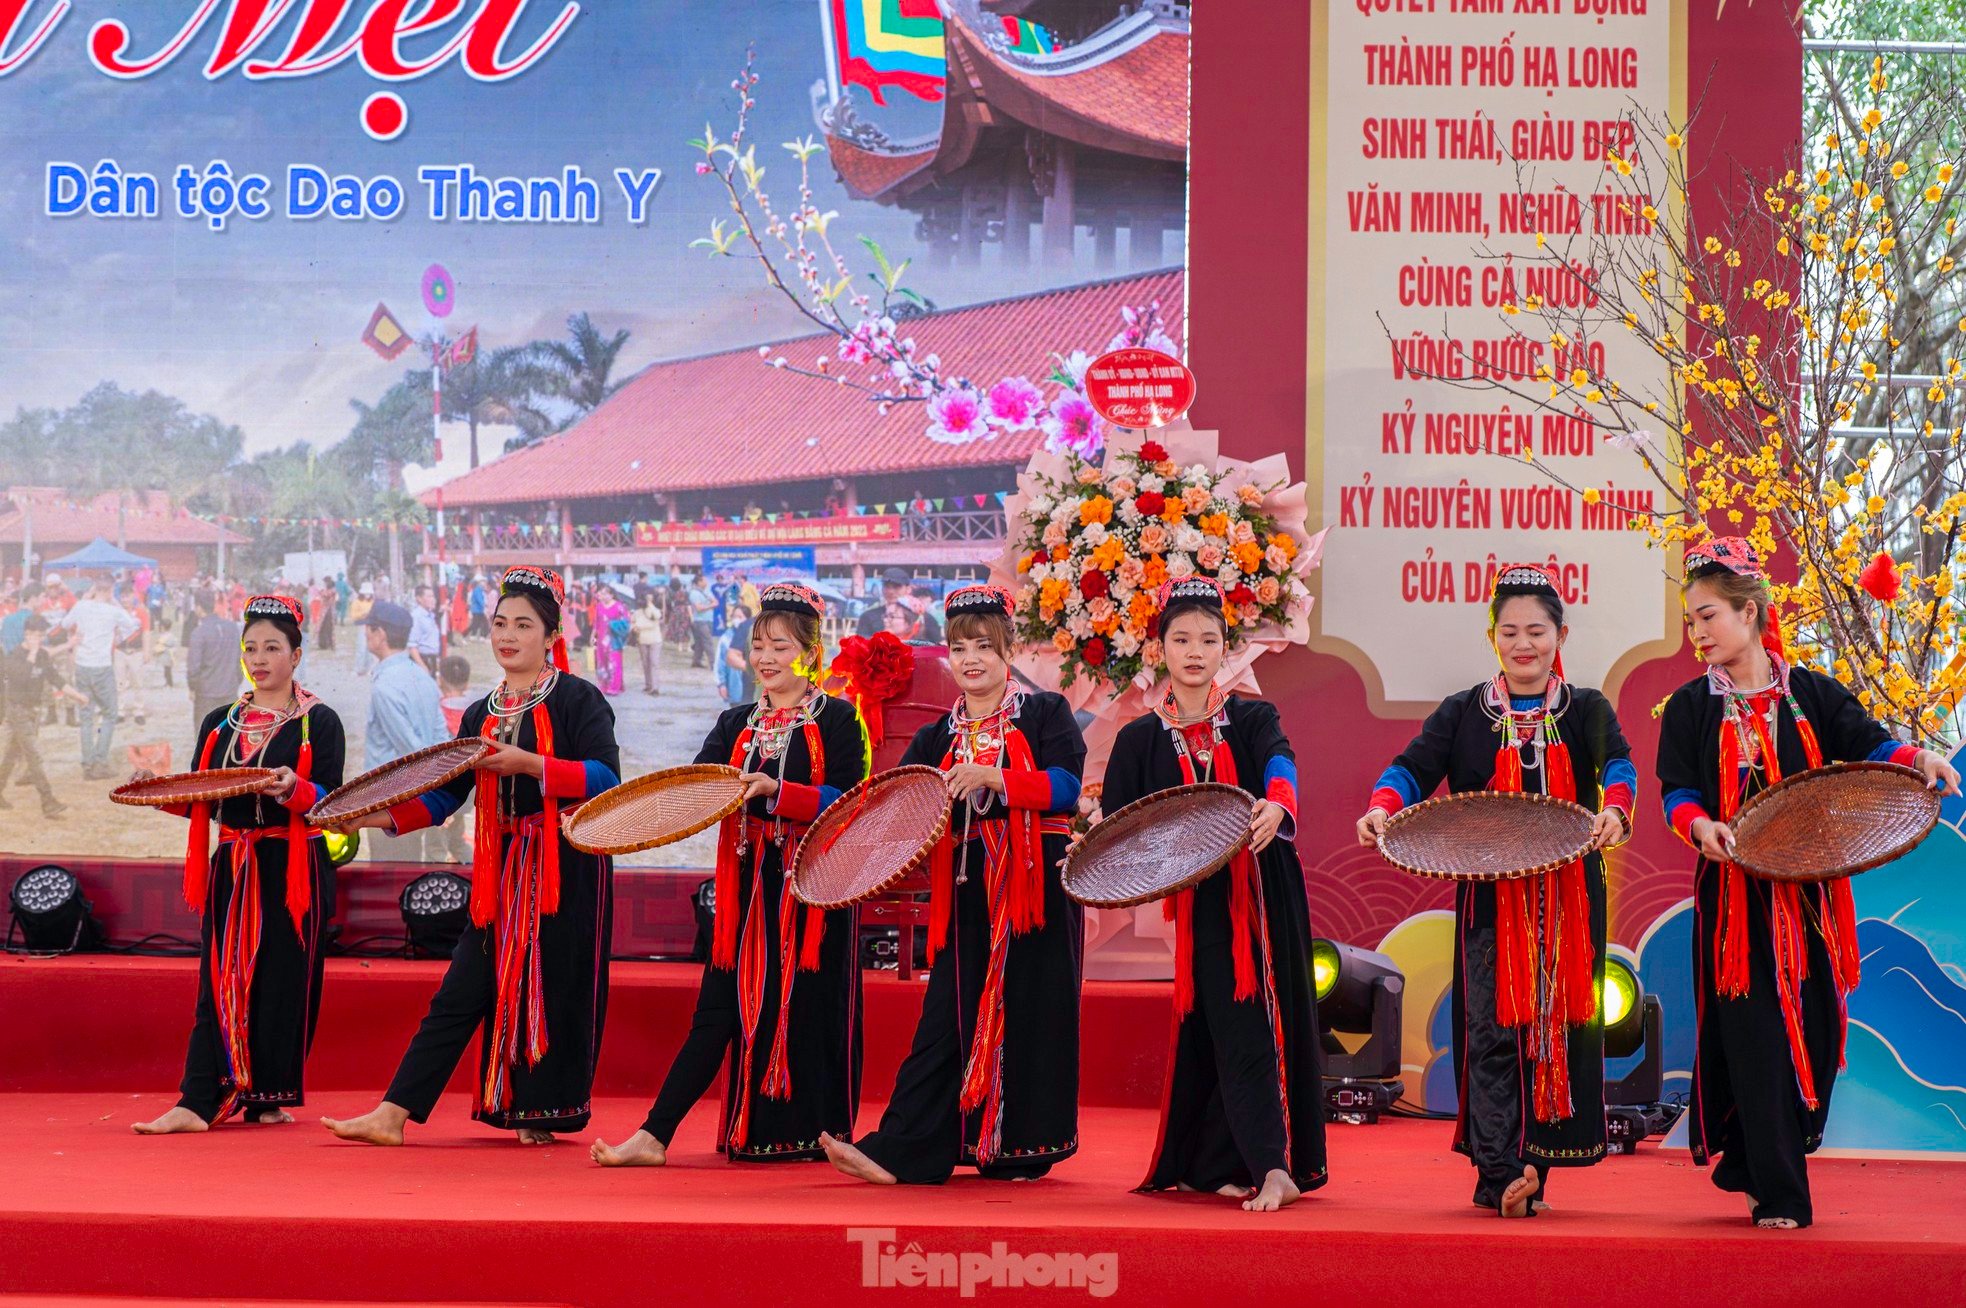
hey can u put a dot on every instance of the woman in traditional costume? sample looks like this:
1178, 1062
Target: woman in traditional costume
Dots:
1772, 960
264, 894
1528, 952
781, 994
1243, 1111
532, 966
992, 1078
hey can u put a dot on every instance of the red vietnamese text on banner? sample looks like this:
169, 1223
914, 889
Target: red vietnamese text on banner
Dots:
1139, 388
806, 531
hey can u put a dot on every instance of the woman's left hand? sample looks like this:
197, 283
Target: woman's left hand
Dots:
511, 761
1264, 823
1939, 774
967, 779
758, 785
280, 786
1607, 829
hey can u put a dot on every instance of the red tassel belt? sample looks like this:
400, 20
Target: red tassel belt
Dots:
519, 1018
235, 955
753, 961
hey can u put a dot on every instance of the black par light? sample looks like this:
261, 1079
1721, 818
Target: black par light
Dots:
1359, 993
50, 912
1632, 1022
436, 909
704, 903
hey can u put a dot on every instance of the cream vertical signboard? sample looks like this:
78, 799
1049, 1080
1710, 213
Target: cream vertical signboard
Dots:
1454, 134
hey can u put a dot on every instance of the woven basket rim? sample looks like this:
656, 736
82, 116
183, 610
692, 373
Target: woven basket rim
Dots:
227, 783
846, 804
1464, 797
629, 791
1811, 776
325, 813
1129, 814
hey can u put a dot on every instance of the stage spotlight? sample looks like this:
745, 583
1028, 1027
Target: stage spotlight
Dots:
50, 912
1632, 1024
704, 903
1359, 993
342, 848
436, 909
1621, 1000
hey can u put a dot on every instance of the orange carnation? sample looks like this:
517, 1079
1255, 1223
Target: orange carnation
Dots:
1097, 509
1173, 511
1282, 540
1215, 524
1062, 641
1248, 556
1156, 573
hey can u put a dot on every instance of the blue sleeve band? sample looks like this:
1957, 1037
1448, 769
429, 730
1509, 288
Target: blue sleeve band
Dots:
1401, 782
1280, 768
1619, 771
440, 804
1064, 791
1674, 798
827, 794
600, 777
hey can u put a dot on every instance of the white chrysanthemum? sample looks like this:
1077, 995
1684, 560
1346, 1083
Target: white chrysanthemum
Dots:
1080, 626
1180, 565
1187, 537
1228, 574
1150, 482
1125, 643
1093, 535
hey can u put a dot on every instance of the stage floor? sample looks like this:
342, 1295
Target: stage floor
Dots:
466, 1213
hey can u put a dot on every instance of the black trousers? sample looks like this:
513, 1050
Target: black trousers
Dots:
1494, 1083
713, 1032
1239, 1138
1764, 1144
286, 990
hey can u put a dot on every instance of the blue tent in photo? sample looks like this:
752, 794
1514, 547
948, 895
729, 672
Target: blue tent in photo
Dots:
100, 556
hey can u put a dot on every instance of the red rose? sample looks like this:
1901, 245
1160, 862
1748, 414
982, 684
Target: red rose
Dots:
1150, 503
1094, 652
1242, 595
1153, 452
1093, 585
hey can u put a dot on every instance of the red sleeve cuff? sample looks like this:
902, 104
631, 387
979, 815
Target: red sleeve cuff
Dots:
1284, 795
564, 778
302, 797
410, 815
1683, 818
1620, 798
796, 802
1905, 756
1027, 789
1387, 798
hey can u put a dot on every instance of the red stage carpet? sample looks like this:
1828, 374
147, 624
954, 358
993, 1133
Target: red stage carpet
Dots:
287, 1213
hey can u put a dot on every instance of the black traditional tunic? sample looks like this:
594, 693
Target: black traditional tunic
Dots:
1496, 1125
1231, 1114
1746, 1104
821, 1043
546, 971
1033, 1070
276, 949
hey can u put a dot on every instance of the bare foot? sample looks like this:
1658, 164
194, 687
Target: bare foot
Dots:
1515, 1199
179, 1121
381, 1125
638, 1150
1278, 1191
1226, 1191
270, 1116
1778, 1224
850, 1161
529, 1135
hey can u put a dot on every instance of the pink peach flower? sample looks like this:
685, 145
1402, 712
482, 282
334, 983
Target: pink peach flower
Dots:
1277, 559
1241, 533
1153, 538
1268, 591
1209, 557
1195, 499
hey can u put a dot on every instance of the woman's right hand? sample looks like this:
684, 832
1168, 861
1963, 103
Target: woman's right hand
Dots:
1713, 839
142, 774
1372, 826
377, 821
